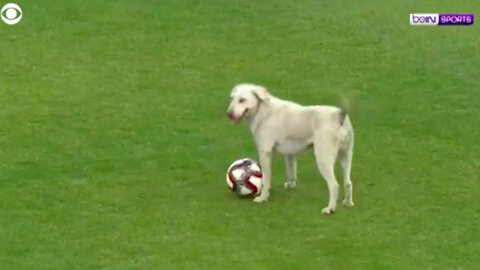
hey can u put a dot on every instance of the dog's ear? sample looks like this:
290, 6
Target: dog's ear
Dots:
232, 94
261, 93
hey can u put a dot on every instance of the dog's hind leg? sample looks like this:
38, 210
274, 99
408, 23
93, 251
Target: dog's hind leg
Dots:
291, 167
326, 147
346, 163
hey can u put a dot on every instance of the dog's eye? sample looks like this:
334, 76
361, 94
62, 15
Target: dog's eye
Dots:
242, 100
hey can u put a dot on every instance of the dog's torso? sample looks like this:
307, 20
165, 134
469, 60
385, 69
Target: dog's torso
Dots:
289, 128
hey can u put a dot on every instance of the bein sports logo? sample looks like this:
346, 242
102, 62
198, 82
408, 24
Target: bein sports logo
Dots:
440, 19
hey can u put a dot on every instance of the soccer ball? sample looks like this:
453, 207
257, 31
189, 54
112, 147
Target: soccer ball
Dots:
244, 177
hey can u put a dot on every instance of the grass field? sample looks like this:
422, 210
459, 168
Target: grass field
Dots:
114, 142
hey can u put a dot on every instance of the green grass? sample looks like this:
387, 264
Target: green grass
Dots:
114, 143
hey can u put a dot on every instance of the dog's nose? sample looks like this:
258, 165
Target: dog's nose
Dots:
230, 115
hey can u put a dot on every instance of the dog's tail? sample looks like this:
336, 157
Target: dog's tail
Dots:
345, 108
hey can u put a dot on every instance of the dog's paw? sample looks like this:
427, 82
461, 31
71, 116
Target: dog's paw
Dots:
260, 199
348, 203
289, 185
328, 211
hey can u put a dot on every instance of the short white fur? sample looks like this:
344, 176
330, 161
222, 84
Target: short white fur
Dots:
289, 128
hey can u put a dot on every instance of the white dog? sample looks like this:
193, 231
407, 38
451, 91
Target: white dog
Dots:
289, 128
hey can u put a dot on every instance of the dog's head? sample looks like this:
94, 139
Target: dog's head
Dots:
245, 99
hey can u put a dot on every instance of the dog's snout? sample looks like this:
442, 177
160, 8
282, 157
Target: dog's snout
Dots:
230, 115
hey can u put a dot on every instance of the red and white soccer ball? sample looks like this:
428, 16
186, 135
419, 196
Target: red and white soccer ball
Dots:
244, 177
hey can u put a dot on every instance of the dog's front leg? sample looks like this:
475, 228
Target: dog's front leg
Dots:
266, 165
291, 166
